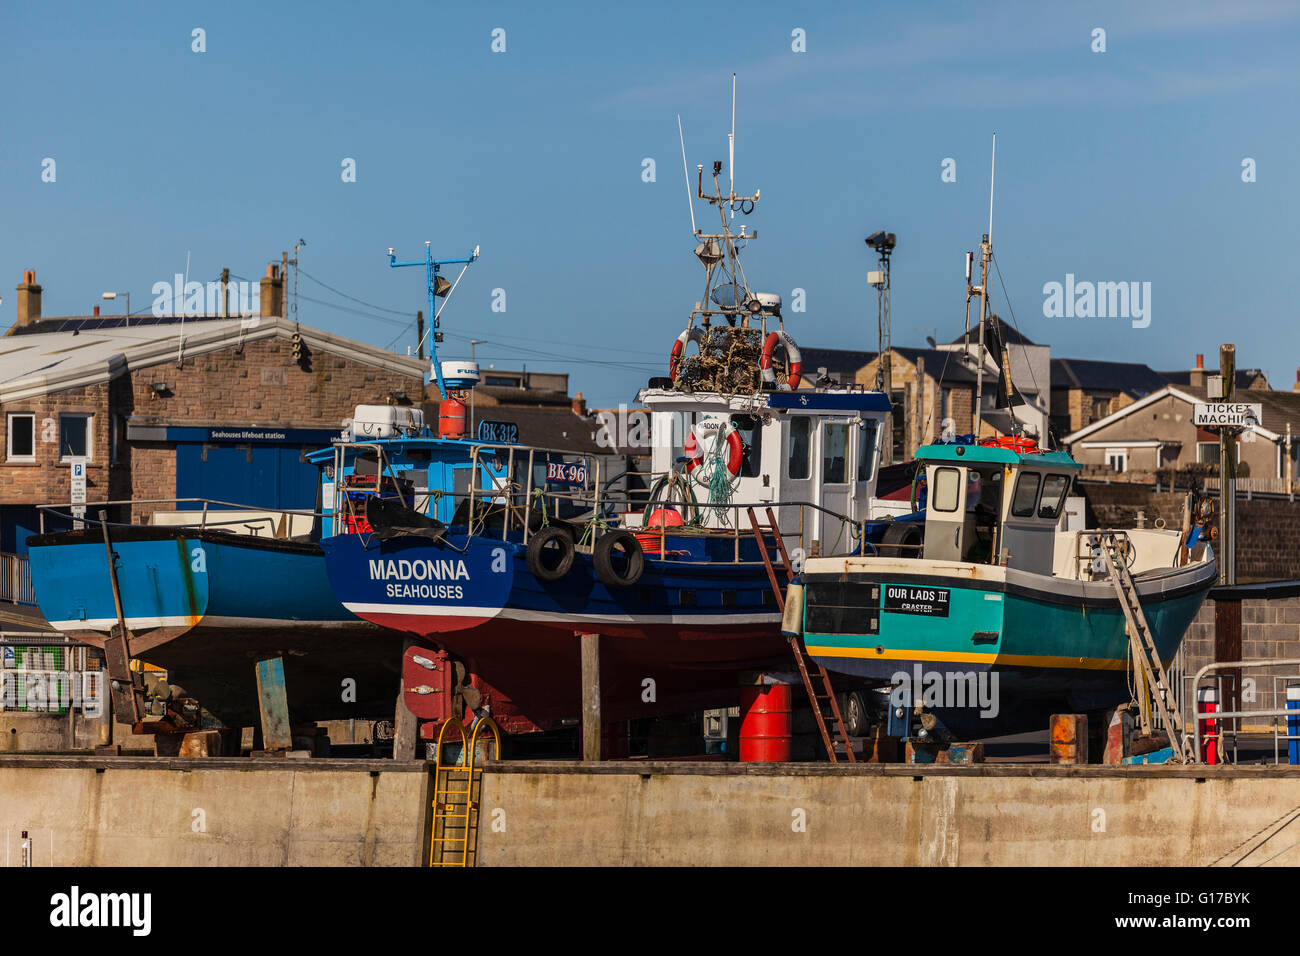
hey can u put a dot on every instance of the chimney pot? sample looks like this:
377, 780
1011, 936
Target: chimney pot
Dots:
1200, 360
96, 312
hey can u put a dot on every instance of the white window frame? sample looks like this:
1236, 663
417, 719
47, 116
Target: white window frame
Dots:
9, 436
90, 435
1121, 454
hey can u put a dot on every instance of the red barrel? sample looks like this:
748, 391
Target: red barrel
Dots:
765, 723
451, 418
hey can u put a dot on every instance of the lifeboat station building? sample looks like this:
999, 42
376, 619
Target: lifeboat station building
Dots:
158, 408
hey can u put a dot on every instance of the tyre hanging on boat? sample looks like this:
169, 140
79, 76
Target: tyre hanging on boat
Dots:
792, 355
735, 450
692, 334
550, 553
618, 559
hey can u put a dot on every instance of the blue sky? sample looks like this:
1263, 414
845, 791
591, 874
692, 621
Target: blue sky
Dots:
1115, 166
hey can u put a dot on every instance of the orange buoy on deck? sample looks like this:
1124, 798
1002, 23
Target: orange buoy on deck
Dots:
766, 723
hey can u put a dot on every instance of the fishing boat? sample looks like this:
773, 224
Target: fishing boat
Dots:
206, 591
995, 596
502, 554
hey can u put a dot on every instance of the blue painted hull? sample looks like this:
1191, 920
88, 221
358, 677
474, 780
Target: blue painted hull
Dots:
203, 605
688, 626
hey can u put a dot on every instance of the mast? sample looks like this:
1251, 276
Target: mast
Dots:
986, 253
439, 288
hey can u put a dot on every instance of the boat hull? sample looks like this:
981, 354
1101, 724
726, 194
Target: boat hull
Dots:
675, 641
1053, 644
205, 605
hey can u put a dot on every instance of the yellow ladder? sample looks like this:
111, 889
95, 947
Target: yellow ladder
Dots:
455, 809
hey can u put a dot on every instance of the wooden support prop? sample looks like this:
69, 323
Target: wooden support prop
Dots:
590, 696
406, 727
273, 701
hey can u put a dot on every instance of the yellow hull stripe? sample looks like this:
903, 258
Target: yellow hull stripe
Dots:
971, 657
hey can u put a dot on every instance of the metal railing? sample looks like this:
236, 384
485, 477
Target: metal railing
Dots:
16, 580
205, 521
1226, 723
510, 493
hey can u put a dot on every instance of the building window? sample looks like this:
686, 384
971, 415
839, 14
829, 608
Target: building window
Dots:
74, 436
835, 453
1208, 453
1117, 458
800, 441
1100, 407
22, 438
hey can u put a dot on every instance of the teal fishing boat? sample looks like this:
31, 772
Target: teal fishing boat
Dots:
997, 587
993, 614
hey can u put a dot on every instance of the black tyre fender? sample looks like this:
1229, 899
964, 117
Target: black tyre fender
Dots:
900, 540
602, 557
550, 553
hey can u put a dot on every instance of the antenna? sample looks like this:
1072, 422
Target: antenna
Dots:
686, 173
992, 168
731, 143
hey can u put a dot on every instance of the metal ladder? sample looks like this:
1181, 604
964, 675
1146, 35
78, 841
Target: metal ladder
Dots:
455, 808
835, 737
1154, 680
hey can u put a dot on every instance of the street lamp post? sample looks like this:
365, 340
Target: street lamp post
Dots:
472, 343
127, 295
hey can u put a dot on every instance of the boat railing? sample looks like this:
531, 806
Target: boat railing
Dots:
206, 515
1213, 723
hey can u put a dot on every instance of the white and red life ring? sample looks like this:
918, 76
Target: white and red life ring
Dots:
791, 354
735, 450
693, 334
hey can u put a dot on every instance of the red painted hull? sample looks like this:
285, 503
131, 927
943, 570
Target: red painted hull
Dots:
531, 671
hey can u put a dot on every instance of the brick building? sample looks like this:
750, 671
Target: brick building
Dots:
174, 407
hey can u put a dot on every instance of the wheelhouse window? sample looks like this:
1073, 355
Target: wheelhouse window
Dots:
835, 453
1026, 496
750, 428
946, 493
799, 458
74, 436
1055, 488
21, 443
868, 438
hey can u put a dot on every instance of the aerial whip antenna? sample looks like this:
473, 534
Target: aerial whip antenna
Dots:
686, 173
731, 145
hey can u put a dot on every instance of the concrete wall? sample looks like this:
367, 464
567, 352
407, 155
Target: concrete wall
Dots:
737, 815
235, 812
82, 811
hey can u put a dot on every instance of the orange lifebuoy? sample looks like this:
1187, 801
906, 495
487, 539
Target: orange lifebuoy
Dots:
692, 334
792, 356
735, 450
1024, 446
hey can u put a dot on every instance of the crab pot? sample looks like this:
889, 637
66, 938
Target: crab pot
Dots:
766, 724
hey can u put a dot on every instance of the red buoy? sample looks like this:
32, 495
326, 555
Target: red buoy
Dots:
766, 723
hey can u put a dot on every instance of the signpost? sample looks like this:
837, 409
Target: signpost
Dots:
1232, 414
78, 479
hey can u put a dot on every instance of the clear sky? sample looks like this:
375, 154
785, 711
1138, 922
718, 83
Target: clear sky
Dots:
1123, 165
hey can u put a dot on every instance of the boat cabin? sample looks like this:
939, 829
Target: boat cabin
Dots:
820, 448
994, 504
